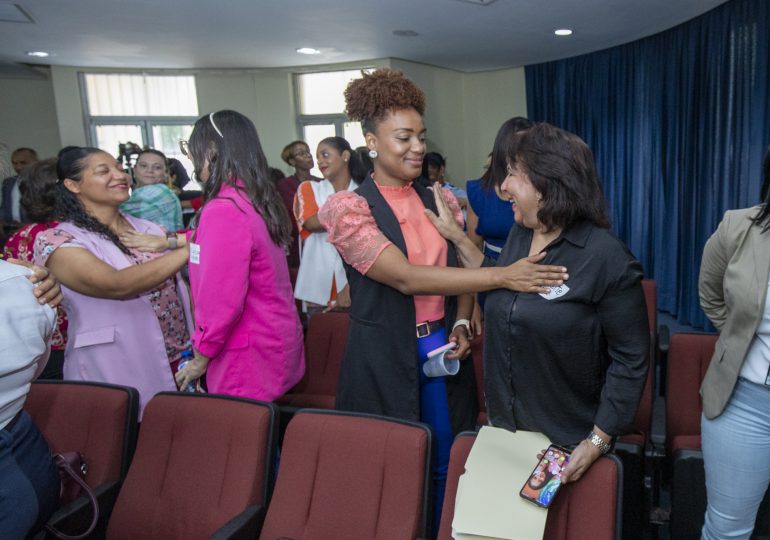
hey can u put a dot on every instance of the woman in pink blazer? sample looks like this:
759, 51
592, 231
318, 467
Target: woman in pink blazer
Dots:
247, 336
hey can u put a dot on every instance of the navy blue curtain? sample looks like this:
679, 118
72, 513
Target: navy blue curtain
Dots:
678, 123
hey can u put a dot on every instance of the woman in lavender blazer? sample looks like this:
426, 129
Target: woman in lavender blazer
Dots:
128, 311
248, 337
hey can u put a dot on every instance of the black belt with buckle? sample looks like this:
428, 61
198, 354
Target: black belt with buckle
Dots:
428, 327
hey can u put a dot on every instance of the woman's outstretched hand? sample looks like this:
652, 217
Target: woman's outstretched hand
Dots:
445, 221
526, 275
144, 242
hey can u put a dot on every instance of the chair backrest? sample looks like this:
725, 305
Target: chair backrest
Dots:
327, 335
643, 419
345, 475
96, 419
589, 508
200, 461
689, 356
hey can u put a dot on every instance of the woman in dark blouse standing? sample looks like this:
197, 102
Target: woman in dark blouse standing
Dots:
570, 363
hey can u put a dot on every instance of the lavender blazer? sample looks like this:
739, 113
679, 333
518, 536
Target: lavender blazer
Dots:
116, 341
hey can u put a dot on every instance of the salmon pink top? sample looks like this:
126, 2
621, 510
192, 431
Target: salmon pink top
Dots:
354, 232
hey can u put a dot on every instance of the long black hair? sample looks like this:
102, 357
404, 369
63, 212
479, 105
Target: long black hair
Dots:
761, 219
70, 164
356, 167
230, 143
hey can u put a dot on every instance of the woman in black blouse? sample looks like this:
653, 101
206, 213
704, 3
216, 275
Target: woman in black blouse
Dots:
570, 363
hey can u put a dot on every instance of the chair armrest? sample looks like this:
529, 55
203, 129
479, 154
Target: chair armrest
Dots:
658, 429
244, 526
664, 338
75, 517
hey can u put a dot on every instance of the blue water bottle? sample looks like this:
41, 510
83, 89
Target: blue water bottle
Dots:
186, 357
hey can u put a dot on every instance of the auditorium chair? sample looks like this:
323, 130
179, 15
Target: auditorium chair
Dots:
99, 421
325, 342
202, 469
351, 476
589, 508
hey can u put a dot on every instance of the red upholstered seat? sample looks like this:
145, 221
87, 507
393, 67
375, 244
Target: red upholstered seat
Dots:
688, 359
325, 342
201, 461
586, 509
99, 421
347, 476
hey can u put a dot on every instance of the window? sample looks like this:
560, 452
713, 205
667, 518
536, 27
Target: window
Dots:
321, 106
148, 110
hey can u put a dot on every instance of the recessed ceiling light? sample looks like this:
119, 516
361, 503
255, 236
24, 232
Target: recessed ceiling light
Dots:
563, 32
405, 33
38, 54
308, 50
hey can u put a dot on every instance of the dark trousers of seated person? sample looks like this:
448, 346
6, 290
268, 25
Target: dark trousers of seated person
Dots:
29, 480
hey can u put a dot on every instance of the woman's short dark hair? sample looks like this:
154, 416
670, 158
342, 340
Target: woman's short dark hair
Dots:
230, 143
288, 151
502, 148
70, 164
37, 186
561, 167
432, 158
356, 168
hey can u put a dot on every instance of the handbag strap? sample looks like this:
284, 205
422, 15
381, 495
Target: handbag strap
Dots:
63, 465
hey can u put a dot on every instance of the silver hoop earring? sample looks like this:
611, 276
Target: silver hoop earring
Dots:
373, 154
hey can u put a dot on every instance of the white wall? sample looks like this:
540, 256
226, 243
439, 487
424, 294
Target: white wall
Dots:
464, 110
29, 115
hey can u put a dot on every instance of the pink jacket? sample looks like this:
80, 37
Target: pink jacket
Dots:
246, 321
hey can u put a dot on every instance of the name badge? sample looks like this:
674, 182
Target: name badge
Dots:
555, 292
195, 253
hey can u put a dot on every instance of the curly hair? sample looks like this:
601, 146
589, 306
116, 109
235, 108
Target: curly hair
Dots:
36, 186
370, 98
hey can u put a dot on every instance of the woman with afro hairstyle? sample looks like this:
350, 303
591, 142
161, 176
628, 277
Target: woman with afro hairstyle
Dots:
399, 269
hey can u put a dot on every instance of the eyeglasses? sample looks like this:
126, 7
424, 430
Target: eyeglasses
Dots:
184, 147
302, 153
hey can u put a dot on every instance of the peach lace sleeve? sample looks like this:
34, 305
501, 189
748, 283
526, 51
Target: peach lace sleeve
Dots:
352, 229
454, 206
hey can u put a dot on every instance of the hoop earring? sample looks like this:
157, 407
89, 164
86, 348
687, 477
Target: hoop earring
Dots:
373, 154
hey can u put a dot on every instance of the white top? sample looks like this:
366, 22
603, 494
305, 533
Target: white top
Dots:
319, 260
757, 361
16, 201
25, 335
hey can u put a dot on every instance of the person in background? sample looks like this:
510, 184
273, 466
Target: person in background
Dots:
296, 154
735, 426
276, 175
11, 212
571, 362
489, 214
29, 490
129, 312
36, 182
248, 337
434, 170
321, 281
151, 198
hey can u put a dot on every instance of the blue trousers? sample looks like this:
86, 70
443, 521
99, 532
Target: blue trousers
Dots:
434, 411
29, 480
736, 454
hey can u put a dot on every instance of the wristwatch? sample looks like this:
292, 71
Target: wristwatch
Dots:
172, 240
599, 443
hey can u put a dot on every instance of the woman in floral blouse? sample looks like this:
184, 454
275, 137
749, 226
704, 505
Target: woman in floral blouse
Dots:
36, 180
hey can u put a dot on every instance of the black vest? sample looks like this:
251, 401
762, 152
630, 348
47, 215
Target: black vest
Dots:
379, 373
